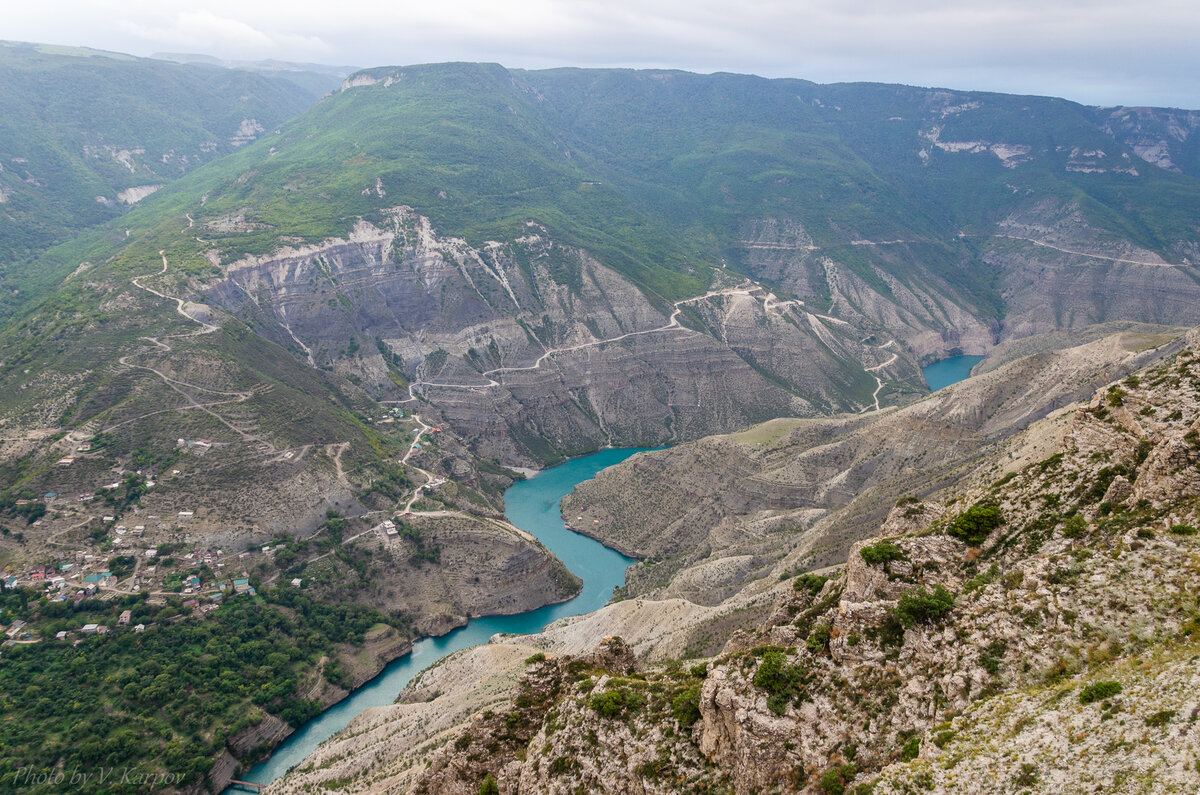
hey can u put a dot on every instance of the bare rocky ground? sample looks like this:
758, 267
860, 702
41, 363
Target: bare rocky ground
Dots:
1034, 630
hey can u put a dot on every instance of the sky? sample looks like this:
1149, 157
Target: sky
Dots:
1093, 51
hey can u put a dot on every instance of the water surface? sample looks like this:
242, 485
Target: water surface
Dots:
533, 506
949, 371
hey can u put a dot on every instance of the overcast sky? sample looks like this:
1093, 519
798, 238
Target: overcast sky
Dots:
1093, 51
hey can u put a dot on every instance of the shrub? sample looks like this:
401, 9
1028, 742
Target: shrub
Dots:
699, 670
974, 525
881, 552
1074, 527
612, 703
783, 682
1183, 530
608, 704
818, 638
834, 780
1028, 775
813, 583
1160, 719
920, 606
686, 706
1099, 691
992, 656
535, 658
489, 786
912, 747
1116, 396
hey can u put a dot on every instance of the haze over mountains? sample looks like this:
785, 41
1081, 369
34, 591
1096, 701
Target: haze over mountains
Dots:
273, 315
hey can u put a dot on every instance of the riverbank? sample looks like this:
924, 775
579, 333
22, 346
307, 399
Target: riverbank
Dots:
532, 506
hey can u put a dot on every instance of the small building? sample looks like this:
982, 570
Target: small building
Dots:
101, 630
83, 448
66, 461
89, 629
125, 618
60, 635
297, 582
140, 628
186, 515
14, 629
152, 553
241, 585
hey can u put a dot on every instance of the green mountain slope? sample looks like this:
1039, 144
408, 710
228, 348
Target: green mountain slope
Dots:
84, 134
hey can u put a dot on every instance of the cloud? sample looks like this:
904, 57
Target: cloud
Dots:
1099, 51
205, 31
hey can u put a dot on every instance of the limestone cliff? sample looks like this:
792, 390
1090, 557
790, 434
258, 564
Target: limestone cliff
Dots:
1015, 636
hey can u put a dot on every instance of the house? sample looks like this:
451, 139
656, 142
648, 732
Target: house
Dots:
66, 462
89, 629
185, 515
101, 630
90, 589
60, 635
297, 582
84, 497
242, 585
140, 628
151, 553
389, 527
125, 618
58, 582
14, 629
83, 448
11, 583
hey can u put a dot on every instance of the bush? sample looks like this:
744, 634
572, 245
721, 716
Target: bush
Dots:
1099, 691
813, 583
1074, 527
1183, 530
974, 525
612, 703
535, 658
489, 786
686, 706
834, 780
607, 704
818, 638
881, 552
1116, 396
920, 606
911, 748
784, 683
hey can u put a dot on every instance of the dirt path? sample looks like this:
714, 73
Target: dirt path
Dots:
1085, 254
673, 324
177, 385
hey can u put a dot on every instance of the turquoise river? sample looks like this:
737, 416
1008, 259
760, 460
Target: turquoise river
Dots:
949, 371
533, 506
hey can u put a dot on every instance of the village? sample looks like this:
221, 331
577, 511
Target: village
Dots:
119, 550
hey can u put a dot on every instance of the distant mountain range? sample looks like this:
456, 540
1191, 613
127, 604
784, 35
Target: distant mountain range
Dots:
268, 296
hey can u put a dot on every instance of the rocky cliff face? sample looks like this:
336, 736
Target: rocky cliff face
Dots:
792, 494
532, 349
1026, 628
